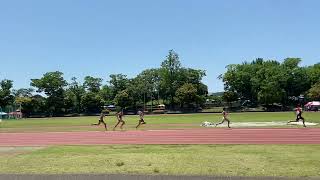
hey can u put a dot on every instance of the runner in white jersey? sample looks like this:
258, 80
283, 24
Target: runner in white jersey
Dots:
224, 118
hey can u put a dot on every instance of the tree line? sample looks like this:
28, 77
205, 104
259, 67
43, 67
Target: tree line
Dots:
259, 82
172, 84
267, 82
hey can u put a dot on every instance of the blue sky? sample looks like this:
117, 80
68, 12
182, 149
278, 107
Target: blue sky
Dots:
101, 37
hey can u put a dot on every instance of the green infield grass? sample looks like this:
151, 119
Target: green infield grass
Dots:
215, 160
181, 121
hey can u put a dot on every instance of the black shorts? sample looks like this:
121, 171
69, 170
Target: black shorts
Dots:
299, 116
142, 121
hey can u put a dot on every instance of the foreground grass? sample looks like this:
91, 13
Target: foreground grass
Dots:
153, 121
224, 160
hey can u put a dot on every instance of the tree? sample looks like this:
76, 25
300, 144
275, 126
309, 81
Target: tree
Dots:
118, 82
5, 93
194, 77
202, 89
92, 84
123, 99
268, 81
297, 77
240, 78
74, 94
272, 81
216, 99
92, 102
52, 84
187, 94
23, 92
29, 103
137, 91
146, 86
270, 93
314, 73
314, 92
291, 63
36, 106
106, 94
170, 69
229, 96
23, 97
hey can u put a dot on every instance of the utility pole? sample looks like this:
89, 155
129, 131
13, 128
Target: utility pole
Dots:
144, 101
151, 102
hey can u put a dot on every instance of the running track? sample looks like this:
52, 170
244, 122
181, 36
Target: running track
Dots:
191, 136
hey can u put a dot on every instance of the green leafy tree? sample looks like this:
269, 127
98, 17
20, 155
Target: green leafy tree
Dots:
35, 105
297, 77
6, 97
216, 99
229, 96
123, 99
136, 91
272, 80
240, 78
170, 71
268, 81
291, 63
118, 83
92, 102
92, 84
23, 97
270, 93
23, 92
314, 92
146, 86
313, 73
74, 94
194, 77
187, 94
52, 84
106, 94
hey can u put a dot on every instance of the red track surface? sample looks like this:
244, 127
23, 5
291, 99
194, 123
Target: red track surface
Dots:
192, 136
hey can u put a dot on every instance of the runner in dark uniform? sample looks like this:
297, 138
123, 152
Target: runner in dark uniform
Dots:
141, 121
224, 118
102, 115
298, 111
120, 120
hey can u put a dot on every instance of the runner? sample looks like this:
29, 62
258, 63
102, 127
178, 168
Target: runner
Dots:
298, 111
224, 118
102, 115
141, 121
120, 120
